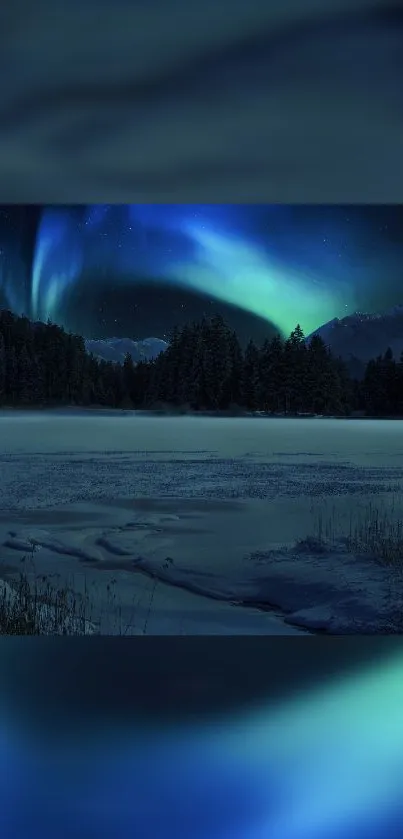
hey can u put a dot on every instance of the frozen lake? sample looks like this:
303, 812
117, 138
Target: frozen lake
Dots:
191, 524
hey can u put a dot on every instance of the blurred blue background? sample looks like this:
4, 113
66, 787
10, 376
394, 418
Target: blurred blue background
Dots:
201, 738
182, 100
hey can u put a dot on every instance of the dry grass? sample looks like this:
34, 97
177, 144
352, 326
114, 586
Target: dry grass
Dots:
379, 535
376, 530
33, 604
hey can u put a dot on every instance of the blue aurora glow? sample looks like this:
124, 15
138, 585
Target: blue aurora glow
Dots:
260, 259
326, 765
57, 263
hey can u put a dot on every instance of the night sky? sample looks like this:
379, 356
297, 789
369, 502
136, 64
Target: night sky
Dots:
138, 270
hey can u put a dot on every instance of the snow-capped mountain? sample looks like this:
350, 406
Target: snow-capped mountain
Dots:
361, 336
115, 349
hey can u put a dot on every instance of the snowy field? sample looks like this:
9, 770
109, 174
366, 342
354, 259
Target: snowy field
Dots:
192, 525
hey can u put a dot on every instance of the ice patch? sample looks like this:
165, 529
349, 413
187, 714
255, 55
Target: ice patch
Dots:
28, 541
113, 497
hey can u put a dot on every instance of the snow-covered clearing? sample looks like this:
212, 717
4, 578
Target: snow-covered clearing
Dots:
191, 524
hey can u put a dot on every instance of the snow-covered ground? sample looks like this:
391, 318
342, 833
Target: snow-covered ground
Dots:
191, 524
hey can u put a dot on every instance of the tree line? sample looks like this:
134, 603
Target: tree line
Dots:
203, 368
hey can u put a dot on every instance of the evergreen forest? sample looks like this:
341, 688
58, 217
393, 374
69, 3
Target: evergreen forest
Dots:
203, 369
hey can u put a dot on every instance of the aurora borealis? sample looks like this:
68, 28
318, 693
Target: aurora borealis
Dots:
137, 269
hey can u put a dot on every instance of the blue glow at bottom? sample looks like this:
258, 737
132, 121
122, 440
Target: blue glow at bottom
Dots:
327, 765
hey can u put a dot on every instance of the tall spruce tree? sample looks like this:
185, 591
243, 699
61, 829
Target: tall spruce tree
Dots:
11, 367
2, 370
233, 385
26, 382
250, 377
321, 378
294, 379
216, 361
129, 377
271, 373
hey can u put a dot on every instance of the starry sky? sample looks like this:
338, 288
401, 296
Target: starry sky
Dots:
138, 270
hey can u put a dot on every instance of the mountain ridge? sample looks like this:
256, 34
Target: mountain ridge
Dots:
361, 336
116, 349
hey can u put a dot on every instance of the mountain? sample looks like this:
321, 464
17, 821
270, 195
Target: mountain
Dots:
359, 337
115, 349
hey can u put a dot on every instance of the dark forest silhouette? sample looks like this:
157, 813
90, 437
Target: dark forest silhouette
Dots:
203, 369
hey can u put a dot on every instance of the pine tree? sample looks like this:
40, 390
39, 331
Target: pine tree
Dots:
370, 389
181, 381
250, 377
294, 380
74, 364
347, 389
391, 383
25, 383
2, 370
166, 371
271, 374
196, 384
11, 367
320, 377
129, 377
216, 357
143, 382
233, 385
